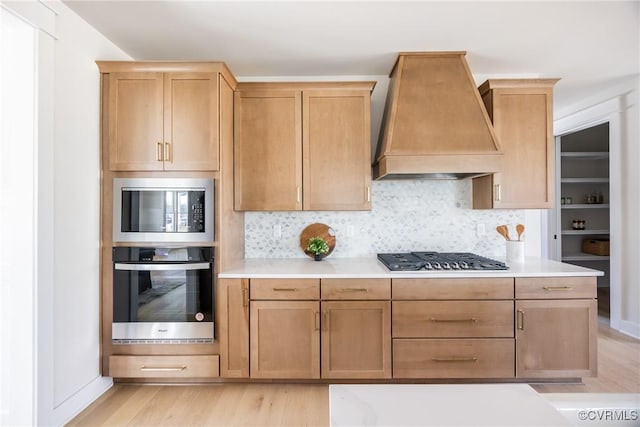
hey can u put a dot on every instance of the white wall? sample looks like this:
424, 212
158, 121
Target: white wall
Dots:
75, 347
619, 105
17, 219
66, 311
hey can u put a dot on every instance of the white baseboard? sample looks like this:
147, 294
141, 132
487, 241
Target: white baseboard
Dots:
71, 407
630, 328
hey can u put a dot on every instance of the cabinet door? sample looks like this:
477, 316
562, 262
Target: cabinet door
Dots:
356, 339
285, 339
233, 321
337, 150
135, 118
191, 121
522, 115
268, 151
556, 338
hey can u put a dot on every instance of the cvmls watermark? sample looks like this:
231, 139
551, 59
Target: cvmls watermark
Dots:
608, 415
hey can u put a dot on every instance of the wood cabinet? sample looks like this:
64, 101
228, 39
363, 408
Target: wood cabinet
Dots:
285, 339
285, 328
154, 366
556, 327
453, 358
453, 328
522, 114
347, 328
233, 326
290, 326
302, 146
159, 120
356, 334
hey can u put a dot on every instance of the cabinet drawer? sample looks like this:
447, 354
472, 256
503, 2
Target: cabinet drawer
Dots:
356, 289
284, 289
164, 366
460, 288
453, 358
555, 287
435, 319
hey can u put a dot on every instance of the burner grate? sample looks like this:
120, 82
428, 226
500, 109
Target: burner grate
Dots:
439, 261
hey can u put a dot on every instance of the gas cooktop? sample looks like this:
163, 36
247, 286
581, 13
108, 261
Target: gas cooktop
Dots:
438, 261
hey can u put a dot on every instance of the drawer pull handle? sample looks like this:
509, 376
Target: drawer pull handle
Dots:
245, 297
159, 152
167, 152
316, 321
353, 290
557, 288
471, 319
285, 289
163, 369
455, 359
520, 320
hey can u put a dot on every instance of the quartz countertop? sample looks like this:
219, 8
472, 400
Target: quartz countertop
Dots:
440, 405
370, 267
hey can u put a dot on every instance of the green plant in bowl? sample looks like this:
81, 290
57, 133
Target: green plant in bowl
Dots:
318, 247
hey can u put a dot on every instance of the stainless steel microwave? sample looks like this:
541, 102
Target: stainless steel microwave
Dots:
175, 210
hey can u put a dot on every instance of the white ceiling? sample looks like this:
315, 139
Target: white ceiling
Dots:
589, 45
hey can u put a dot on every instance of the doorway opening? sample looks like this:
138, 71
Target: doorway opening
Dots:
583, 229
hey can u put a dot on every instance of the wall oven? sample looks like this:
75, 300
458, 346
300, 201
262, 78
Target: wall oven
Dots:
163, 294
163, 210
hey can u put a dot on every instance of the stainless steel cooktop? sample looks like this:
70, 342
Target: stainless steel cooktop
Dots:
438, 261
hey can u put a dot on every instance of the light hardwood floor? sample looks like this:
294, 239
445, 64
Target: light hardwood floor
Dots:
272, 404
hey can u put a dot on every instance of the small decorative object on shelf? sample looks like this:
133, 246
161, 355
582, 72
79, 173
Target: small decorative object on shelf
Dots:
578, 224
318, 247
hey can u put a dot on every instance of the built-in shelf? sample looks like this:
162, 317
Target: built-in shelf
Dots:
586, 206
584, 257
585, 155
584, 180
584, 232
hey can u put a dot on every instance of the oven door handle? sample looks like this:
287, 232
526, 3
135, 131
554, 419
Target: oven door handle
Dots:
162, 267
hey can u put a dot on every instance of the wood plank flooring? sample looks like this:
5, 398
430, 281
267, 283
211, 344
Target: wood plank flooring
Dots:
273, 404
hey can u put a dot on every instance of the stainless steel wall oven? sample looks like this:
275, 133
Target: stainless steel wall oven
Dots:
163, 294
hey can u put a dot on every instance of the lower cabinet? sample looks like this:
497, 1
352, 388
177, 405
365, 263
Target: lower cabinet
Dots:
525, 328
453, 358
285, 339
164, 366
295, 335
356, 339
556, 333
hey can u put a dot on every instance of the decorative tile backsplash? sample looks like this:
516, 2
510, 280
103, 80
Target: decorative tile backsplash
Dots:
407, 215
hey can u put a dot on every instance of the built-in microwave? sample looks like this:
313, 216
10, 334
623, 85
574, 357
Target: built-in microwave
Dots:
178, 210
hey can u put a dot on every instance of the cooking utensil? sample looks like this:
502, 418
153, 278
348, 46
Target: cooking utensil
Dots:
520, 230
504, 231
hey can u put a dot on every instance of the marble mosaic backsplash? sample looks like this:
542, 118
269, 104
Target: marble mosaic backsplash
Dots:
406, 215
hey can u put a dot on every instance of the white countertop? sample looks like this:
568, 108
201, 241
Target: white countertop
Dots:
368, 268
440, 405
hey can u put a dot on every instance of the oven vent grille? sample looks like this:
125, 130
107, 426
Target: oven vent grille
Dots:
174, 341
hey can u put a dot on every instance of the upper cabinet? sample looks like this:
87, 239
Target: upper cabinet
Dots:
160, 116
303, 146
522, 114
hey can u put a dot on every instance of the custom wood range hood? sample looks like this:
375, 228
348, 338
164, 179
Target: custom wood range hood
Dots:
435, 124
